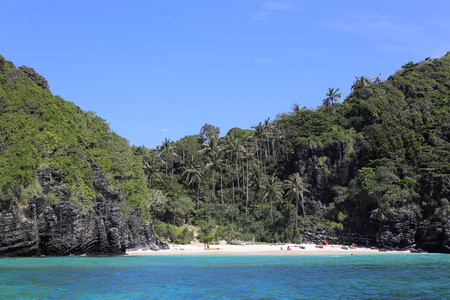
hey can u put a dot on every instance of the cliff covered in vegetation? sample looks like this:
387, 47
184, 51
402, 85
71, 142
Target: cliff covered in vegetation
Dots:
68, 184
373, 169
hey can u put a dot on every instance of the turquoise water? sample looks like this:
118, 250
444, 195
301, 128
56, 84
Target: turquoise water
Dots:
398, 276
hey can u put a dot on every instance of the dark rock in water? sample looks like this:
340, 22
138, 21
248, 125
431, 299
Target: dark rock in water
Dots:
141, 235
17, 238
64, 228
434, 236
417, 250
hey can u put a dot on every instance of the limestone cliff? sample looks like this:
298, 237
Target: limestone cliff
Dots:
65, 228
399, 227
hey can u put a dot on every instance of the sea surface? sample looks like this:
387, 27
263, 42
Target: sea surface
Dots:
378, 276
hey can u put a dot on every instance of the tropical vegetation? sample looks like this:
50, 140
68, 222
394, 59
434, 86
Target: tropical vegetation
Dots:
248, 184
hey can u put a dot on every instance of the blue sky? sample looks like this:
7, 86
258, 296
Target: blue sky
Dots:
161, 69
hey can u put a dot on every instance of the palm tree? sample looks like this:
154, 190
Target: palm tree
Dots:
214, 152
267, 132
236, 150
166, 148
295, 107
332, 96
377, 79
149, 164
360, 82
295, 189
276, 142
257, 181
248, 155
258, 134
193, 176
273, 190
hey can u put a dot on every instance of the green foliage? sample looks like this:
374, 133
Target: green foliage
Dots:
393, 135
88, 194
304, 124
34, 188
393, 132
174, 234
319, 224
207, 232
51, 199
10, 195
341, 217
443, 210
38, 129
238, 133
83, 205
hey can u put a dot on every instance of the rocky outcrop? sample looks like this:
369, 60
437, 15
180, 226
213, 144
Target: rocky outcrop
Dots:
434, 236
65, 228
142, 236
397, 228
17, 237
326, 166
109, 191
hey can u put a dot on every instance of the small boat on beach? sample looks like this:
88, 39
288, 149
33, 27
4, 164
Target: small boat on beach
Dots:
212, 248
344, 247
319, 246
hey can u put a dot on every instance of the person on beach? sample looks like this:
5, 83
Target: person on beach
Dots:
289, 247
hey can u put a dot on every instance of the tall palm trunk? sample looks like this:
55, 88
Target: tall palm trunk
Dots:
214, 183
271, 210
221, 186
167, 165
303, 205
247, 194
232, 184
237, 172
296, 213
198, 195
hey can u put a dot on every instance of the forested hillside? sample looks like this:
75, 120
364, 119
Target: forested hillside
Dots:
38, 130
53, 152
372, 169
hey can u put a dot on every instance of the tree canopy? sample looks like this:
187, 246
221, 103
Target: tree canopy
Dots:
384, 147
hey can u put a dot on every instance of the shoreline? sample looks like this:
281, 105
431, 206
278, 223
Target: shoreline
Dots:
309, 249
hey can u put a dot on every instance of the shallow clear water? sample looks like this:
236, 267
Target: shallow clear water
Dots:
398, 276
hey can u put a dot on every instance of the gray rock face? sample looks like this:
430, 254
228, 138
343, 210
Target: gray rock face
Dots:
64, 228
142, 236
400, 227
324, 167
17, 238
108, 190
434, 236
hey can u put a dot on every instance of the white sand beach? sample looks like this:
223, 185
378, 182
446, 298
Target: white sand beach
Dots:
300, 249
